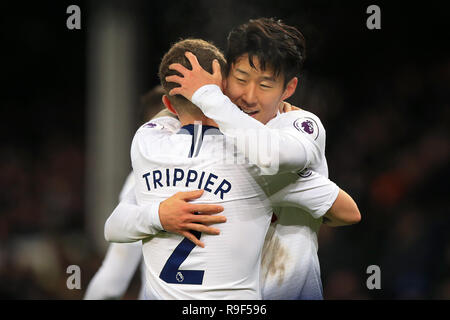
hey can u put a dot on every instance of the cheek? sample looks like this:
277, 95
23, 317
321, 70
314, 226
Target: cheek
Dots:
270, 103
233, 91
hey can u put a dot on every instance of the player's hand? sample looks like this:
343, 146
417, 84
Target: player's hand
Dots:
192, 80
284, 107
177, 215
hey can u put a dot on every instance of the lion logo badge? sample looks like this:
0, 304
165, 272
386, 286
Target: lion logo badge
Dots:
308, 126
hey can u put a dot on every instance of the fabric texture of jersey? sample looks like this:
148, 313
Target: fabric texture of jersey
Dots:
291, 267
228, 267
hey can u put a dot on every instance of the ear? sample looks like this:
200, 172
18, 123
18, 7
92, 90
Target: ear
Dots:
168, 104
290, 88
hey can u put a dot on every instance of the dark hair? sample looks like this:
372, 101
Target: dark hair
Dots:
274, 43
205, 52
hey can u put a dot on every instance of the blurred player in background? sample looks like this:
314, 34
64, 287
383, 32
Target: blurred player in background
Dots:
122, 259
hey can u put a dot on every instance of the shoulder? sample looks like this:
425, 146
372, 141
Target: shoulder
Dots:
303, 121
150, 135
158, 128
161, 124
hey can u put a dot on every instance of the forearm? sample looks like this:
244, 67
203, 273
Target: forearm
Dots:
131, 222
343, 212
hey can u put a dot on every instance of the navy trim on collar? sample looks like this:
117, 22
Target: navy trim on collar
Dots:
197, 138
189, 129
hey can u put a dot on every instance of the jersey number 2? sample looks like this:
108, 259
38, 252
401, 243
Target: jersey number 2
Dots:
171, 272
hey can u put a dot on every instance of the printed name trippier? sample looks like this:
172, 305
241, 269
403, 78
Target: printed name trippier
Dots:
174, 177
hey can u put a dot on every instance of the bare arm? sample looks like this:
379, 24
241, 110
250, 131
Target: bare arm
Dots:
343, 212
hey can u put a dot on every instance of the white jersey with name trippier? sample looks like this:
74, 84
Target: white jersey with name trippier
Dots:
312, 195
228, 267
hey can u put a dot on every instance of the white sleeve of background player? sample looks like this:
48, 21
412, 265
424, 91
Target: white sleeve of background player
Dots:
130, 222
120, 263
312, 192
114, 276
127, 186
291, 148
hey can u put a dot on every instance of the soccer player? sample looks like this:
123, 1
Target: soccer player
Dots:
264, 58
163, 164
122, 259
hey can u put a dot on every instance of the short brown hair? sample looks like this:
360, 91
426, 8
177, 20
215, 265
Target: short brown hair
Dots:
205, 52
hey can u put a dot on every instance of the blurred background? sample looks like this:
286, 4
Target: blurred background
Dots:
72, 99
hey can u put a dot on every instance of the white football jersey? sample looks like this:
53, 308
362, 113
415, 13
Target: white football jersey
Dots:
228, 267
291, 267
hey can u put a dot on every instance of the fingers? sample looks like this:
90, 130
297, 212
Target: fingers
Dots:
287, 107
202, 228
193, 60
174, 78
206, 208
190, 195
178, 67
208, 220
193, 238
175, 91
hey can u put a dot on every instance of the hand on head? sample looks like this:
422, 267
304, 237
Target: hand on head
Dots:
192, 80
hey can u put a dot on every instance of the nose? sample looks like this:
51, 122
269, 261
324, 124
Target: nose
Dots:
249, 97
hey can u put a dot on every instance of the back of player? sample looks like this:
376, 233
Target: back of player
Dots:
228, 267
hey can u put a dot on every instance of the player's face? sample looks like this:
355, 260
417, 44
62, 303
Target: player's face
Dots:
256, 92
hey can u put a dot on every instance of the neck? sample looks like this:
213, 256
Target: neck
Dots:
190, 119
